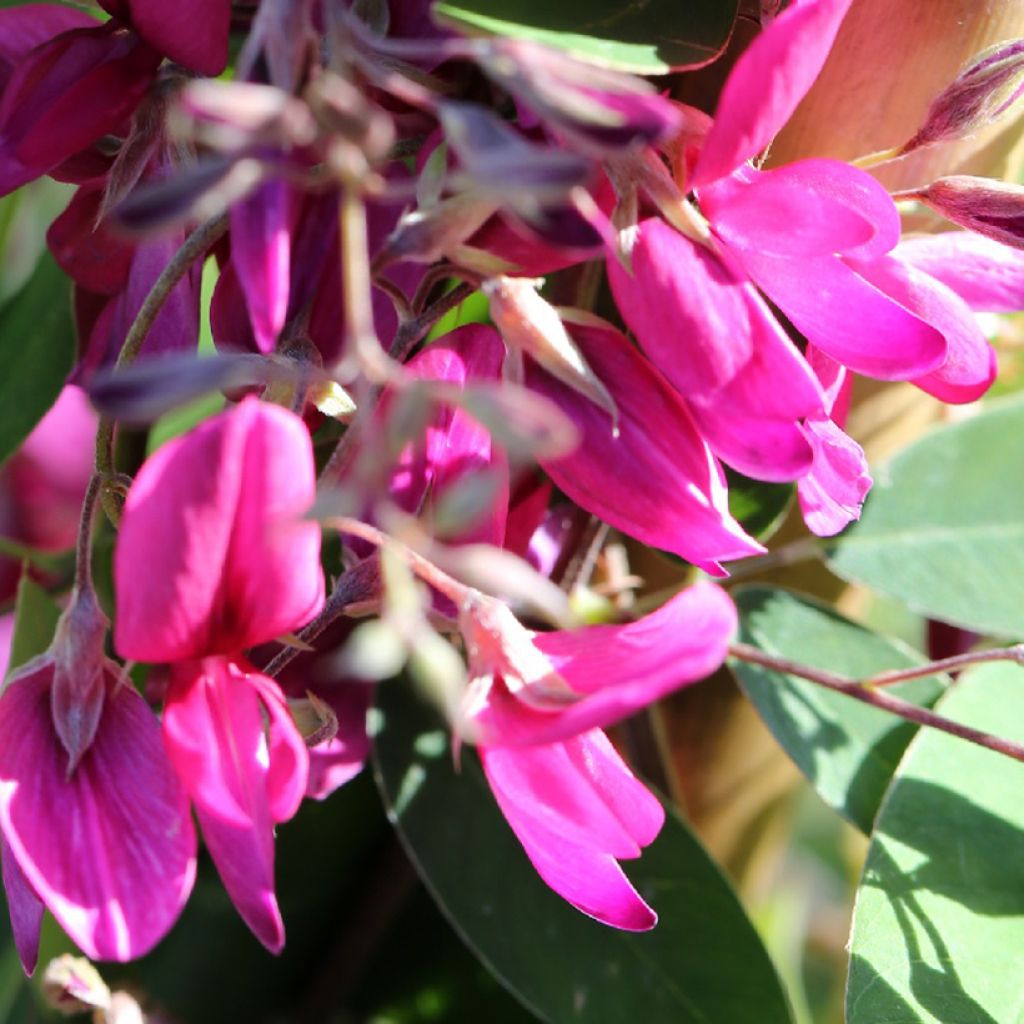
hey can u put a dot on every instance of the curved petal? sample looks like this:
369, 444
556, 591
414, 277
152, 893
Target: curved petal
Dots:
241, 780
685, 306
970, 365
987, 275
191, 32
261, 256
847, 317
767, 83
25, 27
561, 813
656, 479
832, 493
212, 556
807, 208
123, 805
617, 670
24, 907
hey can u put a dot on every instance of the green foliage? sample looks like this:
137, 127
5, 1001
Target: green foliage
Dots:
938, 933
847, 750
35, 619
37, 352
648, 38
943, 528
703, 963
759, 507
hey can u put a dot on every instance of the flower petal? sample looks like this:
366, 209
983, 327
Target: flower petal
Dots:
807, 208
25, 909
685, 306
241, 780
541, 793
123, 806
212, 555
970, 365
832, 493
617, 670
656, 480
847, 317
191, 32
988, 276
767, 83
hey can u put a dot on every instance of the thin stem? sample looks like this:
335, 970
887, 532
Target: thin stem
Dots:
867, 694
951, 664
83, 543
353, 587
880, 156
197, 243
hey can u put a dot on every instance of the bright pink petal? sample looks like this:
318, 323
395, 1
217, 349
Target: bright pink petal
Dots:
24, 907
562, 801
213, 556
767, 83
656, 480
110, 851
261, 256
753, 422
618, 670
808, 208
242, 776
847, 317
987, 275
970, 365
833, 491
686, 308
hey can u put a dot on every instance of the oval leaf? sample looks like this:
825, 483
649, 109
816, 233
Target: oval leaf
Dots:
37, 352
703, 962
846, 749
938, 929
943, 529
647, 38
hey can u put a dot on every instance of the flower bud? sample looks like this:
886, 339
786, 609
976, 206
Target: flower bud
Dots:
975, 98
530, 324
989, 207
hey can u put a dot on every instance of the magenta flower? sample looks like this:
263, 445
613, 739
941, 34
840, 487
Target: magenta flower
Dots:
212, 559
82, 768
535, 708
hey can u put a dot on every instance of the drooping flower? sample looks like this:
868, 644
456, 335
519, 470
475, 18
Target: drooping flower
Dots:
212, 559
95, 822
535, 707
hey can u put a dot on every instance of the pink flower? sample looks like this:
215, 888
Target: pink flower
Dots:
212, 559
95, 822
535, 708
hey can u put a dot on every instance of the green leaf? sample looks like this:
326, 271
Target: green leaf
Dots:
938, 931
648, 38
847, 750
35, 619
703, 963
943, 528
37, 352
760, 507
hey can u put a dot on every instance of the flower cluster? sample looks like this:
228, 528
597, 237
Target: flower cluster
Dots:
352, 184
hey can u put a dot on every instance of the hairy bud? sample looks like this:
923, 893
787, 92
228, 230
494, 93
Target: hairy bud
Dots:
988, 207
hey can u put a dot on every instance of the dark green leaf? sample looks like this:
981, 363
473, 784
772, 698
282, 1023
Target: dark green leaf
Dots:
702, 964
847, 750
648, 38
37, 352
943, 529
760, 507
938, 932
35, 619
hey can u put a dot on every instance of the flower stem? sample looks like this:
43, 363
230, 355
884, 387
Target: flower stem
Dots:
197, 243
83, 543
865, 691
879, 157
951, 664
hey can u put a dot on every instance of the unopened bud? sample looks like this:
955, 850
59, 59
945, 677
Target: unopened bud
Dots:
975, 98
72, 985
532, 325
425, 236
983, 205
